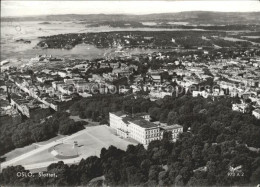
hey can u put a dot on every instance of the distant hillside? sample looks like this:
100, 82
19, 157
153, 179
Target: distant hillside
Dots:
199, 17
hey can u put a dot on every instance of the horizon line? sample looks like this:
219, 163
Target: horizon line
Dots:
26, 16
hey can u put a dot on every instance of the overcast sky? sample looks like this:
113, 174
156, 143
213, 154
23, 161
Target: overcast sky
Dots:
28, 8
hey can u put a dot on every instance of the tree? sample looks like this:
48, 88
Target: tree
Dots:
9, 176
153, 173
62, 171
179, 181
112, 176
255, 177
197, 154
164, 116
186, 173
89, 169
197, 182
145, 165
154, 113
71, 127
172, 118
207, 133
164, 179
134, 176
103, 122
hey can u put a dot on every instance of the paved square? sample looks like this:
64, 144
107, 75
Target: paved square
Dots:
90, 142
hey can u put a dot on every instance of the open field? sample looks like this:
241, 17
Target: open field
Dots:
90, 142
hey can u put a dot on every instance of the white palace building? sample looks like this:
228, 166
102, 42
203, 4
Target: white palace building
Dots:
140, 128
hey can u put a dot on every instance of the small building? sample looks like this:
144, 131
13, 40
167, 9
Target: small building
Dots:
62, 73
203, 93
159, 94
123, 72
175, 129
156, 78
256, 113
240, 107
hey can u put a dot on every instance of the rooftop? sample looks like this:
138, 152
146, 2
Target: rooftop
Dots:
171, 127
257, 110
143, 123
119, 113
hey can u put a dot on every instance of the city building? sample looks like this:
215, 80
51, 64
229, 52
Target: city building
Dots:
137, 128
140, 128
158, 94
24, 105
